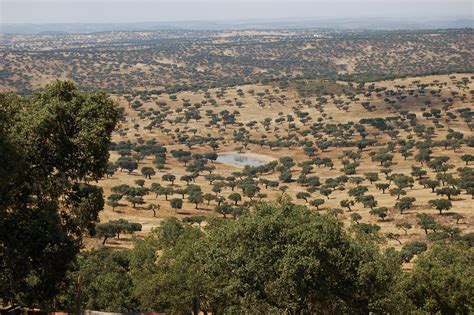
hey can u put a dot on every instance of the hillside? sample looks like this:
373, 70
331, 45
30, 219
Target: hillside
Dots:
322, 136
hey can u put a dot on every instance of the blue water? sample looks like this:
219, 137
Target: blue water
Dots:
240, 159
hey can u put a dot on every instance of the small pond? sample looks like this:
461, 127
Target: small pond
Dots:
243, 159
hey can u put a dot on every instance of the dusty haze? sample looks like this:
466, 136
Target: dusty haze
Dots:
109, 11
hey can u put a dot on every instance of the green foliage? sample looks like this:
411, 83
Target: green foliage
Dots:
36, 253
381, 212
235, 197
105, 282
356, 217
440, 204
195, 197
411, 249
135, 200
371, 176
276, 258
427, 222
316, 203
169, 282
169, 178
116, 227
51, 143
405, 203
367, 229
448, 192
148, 172
405, 226
442, 281
126, 162
224, 209
303, 195
86, 201
235, 268
176, 203
346, 203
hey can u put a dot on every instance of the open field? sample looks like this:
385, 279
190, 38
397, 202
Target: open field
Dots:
294, 97
316, 133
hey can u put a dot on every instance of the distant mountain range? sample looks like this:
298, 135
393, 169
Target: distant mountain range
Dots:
342, 24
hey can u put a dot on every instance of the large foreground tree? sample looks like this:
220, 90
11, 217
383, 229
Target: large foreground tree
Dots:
52, 145
282, 258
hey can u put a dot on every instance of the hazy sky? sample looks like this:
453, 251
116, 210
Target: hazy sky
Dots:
107, 11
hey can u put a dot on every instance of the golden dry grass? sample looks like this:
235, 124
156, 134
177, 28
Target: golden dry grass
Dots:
251, 110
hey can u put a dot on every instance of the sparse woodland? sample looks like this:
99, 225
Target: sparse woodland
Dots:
363, 200
173, 61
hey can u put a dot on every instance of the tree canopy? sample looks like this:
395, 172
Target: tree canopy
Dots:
277, 258
52, 144
282, 257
